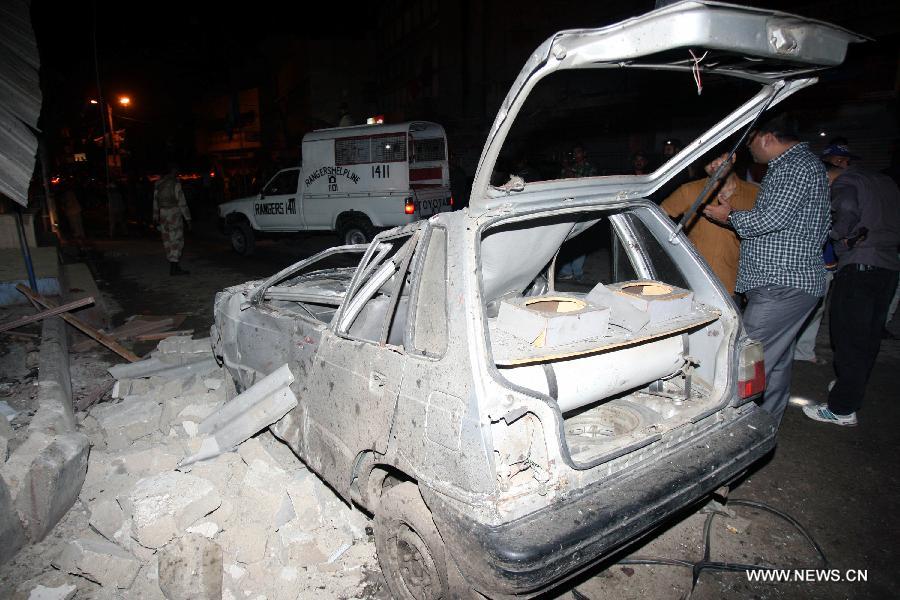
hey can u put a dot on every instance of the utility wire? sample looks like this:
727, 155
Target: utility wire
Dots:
705, 564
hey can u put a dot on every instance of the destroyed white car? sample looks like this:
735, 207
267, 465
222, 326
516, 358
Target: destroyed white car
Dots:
507, 434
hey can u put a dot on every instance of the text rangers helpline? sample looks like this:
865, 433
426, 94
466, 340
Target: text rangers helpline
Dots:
331, 171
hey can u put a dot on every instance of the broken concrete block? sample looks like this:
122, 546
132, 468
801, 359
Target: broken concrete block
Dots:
123, 388
207, 529
15, 470
199, 407
305, 498
107, 518
146, 584
50, 585
100, 561
199, 364
213, 383
265, 489
245, 540
226, 472
190, 428
252, 411
147, 462
6, 434
184, 344
63, 592
45, 476
191, 569
128, 420
253, 449
104, 480
333, 542
12, 534
163, 506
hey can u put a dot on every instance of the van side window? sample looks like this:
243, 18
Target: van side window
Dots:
430, 324
283, 183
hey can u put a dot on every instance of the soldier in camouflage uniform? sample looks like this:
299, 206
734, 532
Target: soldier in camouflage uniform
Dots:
169, 208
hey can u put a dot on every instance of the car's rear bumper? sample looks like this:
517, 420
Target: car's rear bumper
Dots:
529, 554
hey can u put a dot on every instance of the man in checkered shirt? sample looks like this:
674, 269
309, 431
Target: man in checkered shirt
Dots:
781, 270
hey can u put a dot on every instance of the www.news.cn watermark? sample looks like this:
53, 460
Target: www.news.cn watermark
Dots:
808, 575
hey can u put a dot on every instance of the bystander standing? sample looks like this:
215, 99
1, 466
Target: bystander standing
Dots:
719, 245
866, 233
781, 270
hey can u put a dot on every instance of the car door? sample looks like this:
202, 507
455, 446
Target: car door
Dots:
277, 207
358, 369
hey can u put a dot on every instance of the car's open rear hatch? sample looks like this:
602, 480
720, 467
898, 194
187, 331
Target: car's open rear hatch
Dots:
780, 51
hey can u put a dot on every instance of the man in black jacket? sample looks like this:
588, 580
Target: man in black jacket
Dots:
866, 233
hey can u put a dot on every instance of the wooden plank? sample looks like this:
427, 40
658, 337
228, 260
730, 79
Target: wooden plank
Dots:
134, 326
138, 327
50, 312
23, 335
81, 325
149, 337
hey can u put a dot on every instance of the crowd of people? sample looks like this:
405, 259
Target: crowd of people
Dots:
778, 246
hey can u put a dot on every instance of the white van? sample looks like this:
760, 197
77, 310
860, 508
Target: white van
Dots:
352, 180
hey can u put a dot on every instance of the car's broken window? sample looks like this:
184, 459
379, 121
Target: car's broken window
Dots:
377, 311
314, 287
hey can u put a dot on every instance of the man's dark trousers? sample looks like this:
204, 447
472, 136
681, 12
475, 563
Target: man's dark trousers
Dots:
859, 305
774, 316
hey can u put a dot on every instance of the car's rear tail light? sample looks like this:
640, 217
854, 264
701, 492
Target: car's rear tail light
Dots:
451, 201
409, 208
751, 371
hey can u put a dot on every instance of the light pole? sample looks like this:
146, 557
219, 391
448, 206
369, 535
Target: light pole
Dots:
114, 198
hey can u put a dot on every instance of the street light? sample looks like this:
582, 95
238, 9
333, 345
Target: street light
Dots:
124, 100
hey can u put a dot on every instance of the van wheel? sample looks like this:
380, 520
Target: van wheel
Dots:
356, 231
242, 239
410, 549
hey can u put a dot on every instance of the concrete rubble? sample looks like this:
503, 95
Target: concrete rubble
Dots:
252, 522
41, 477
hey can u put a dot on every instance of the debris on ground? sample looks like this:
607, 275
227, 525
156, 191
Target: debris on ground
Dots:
140, 328
251, 522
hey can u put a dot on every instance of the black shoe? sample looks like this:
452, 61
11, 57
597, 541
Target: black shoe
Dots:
887, 335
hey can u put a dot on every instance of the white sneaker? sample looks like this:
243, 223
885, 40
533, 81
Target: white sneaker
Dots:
821, 412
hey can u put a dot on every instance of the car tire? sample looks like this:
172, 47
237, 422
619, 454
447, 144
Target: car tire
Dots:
410, 550
356, 231
242, 239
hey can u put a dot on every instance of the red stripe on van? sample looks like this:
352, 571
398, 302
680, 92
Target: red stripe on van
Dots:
429, 173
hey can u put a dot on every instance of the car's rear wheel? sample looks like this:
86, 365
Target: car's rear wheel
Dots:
356, 231
242, 239
410, 550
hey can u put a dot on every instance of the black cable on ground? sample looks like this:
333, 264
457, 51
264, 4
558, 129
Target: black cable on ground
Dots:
705, 564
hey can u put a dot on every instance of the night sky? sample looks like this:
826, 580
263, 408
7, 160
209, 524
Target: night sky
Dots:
165, 55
